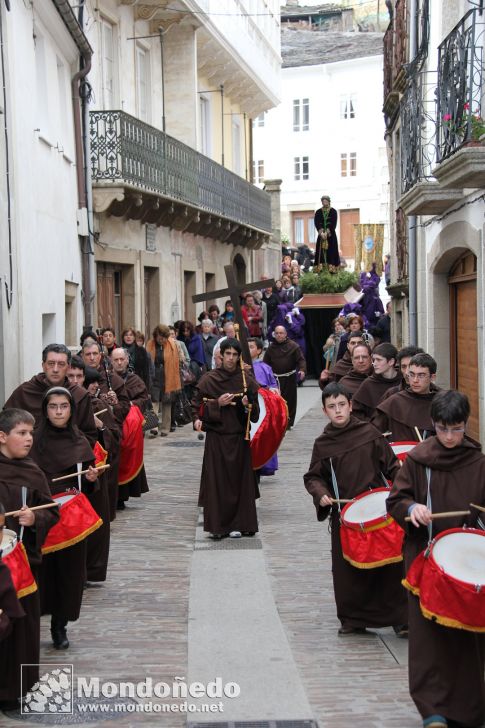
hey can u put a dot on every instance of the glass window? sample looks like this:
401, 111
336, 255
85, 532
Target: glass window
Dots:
143, 83
299, 231
347, 106
305, 168
353, 164
107, 63
259, 120
306, 114
296, 115
343, 165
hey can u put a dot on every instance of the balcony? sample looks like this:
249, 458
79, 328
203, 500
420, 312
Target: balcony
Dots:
460, 154
140, 173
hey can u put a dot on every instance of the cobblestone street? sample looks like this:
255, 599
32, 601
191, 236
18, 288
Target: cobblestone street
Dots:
259, 612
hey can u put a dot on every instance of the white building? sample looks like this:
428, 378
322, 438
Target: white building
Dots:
327, 135
40, 259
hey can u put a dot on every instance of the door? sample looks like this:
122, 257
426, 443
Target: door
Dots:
152, 299
347, 219
463, 329
189, 291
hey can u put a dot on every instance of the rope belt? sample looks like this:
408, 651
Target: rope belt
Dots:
287, 374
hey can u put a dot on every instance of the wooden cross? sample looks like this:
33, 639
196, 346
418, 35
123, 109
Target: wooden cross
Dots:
232, 291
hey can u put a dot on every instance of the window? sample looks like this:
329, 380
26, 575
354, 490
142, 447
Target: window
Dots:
204, 122
303, 228
299, 230
259, 120
107, 55
301, 114
347, 106
302, 168
143, 83
348, 164
258, 171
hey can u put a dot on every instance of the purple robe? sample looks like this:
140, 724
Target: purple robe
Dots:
265, 377
295, 329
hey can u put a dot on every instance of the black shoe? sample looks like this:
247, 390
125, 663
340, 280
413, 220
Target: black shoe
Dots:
345, 629
120, 506
59, 634
248, 533
401, 630
173, 428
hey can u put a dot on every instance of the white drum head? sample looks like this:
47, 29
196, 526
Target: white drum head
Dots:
9, 541
63, 499
262, 414
462, 555
400, 448
368, 508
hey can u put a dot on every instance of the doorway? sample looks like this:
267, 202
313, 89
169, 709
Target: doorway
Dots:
462, 281
348, 218
189, 291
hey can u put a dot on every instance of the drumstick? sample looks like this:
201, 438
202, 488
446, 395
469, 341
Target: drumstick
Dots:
101, 412
446, 514
34, 508
342, 500
479, 508
418, 434
81, 472
386, 434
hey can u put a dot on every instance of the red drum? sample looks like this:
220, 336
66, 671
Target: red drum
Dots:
401, 449
77, 520
449, 579
13, 555
369, 536
268, 432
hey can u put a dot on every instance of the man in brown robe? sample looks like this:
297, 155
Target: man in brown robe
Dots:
361, 368
223, 402
446, 665
137, 392
21, 481
29, 395
371, 391
97, 548
289, 367
410, 408
112, 391
403, 358
361, 459
343, 366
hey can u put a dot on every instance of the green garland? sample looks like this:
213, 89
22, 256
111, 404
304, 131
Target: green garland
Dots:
326, 282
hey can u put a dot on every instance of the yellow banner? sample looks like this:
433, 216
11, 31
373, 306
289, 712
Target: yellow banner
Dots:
369, 241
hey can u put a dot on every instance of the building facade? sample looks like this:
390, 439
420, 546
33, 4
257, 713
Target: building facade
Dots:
327, 135
433, 90
170, 148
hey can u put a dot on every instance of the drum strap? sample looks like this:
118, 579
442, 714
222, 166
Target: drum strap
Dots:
24, 503
79, 477
335, 485
429, 504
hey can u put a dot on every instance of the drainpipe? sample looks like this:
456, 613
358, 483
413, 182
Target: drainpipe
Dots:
412, 219
75, 28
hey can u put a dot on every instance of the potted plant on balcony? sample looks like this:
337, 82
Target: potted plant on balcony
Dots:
470, 128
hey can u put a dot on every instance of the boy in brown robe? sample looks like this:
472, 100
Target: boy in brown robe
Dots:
21, 481
445, 664
410, 408
361, 458
228, 488
361, 368
371, 391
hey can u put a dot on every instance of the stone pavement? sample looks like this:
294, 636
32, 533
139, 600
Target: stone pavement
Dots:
259, 612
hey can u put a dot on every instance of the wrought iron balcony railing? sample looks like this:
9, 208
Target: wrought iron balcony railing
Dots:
126, 150
418, 130
460, 85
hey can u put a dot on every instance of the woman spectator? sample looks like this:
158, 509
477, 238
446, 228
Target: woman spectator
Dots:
215, 317
166, 384
140, 360
330, 348
354, 323
140, 338
297, 292
193, 342
254, 315
278, 291
228, 313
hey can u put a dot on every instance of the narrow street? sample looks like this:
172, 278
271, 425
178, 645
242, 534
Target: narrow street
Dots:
257, 612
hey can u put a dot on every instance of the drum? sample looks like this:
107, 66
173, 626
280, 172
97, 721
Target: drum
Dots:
369, 536
14, 556
449, 579
77, 520
401, 449
267, 433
